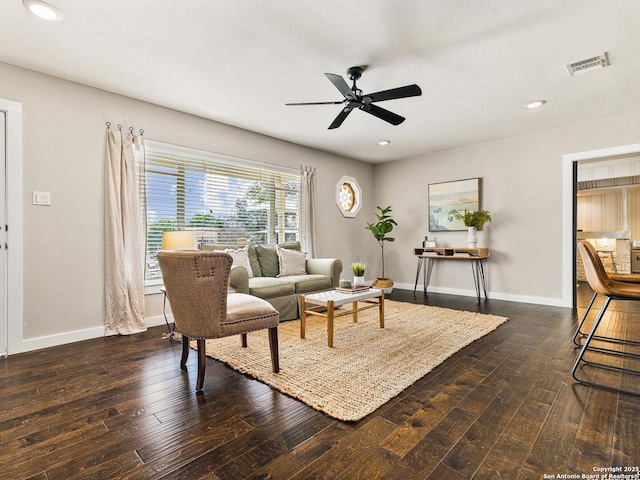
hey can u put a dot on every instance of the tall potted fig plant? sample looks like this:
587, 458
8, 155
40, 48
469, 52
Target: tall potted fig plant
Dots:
380, 231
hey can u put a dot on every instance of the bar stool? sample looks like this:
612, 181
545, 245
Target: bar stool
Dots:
603, 284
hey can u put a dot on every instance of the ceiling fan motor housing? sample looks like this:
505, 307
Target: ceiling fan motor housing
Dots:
354, 73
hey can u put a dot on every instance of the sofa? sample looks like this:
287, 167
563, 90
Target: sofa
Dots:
279, 274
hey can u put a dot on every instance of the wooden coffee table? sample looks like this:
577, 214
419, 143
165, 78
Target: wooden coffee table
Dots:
326, 303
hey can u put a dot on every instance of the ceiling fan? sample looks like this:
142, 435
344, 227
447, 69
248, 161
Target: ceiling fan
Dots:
354, 98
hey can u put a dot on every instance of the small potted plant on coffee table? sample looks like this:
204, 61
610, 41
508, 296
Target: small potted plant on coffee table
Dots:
358, 274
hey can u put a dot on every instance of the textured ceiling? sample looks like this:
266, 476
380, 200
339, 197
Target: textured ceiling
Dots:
239, 61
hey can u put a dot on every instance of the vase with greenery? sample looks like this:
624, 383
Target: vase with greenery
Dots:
380, 231
473, 220
358, 270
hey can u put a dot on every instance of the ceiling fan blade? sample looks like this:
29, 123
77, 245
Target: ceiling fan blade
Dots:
341, 85
340, 118
392, 94
383, 114
317, 103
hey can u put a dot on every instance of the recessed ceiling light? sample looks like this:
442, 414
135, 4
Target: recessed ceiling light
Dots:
534, 104
43, 10
384, 142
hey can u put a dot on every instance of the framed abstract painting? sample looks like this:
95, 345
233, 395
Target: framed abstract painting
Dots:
447, 196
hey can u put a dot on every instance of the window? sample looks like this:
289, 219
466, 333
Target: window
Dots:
348, 196
223, 199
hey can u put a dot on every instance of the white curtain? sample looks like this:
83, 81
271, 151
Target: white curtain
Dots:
124, 236
308, 208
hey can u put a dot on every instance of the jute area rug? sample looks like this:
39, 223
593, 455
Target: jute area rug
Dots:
367, 365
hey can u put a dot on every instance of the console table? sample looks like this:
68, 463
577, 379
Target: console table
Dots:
476, 256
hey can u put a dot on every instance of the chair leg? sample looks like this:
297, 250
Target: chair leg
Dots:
185, 352
583, 351
584, 317
202, 363
273, 346
244, 340
585, 346
579, 333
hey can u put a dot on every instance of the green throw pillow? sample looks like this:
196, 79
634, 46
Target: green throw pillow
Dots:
268, 258
290, 246
253, 261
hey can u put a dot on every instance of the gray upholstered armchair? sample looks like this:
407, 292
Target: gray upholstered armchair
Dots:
197, 288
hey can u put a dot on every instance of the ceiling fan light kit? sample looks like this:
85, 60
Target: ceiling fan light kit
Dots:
354, 98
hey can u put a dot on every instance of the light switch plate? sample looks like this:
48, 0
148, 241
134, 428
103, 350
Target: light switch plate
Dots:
42, 198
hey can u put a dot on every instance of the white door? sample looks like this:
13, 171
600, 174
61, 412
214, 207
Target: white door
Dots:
3, 236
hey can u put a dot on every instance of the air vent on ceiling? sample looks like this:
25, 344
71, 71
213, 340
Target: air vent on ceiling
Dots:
588, 65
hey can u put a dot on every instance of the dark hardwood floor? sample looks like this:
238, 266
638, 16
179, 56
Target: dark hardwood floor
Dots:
505, 407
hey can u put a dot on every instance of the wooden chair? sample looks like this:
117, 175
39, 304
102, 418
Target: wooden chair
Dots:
197, 288
601, 283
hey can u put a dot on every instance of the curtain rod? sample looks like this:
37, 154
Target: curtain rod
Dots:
108, 124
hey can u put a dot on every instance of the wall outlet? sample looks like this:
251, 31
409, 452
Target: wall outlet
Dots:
42, 198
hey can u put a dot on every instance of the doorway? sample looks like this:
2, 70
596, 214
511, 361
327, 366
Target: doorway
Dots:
11, 229
3, 250
569, 211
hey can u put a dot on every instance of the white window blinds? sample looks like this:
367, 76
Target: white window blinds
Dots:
223, 199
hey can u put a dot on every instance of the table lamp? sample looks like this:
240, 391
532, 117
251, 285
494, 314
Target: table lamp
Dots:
178, 240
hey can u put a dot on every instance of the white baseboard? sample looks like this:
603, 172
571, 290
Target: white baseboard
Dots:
38, 343
158, 320
552, 302
29, 344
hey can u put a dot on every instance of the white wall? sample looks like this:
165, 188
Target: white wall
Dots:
523, 190
64, 142
64, 145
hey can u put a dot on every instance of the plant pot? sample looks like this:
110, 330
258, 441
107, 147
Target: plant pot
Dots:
472, 240
359, 281
385, 284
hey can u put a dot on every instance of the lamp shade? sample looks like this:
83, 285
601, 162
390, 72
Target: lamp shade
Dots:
179, 240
